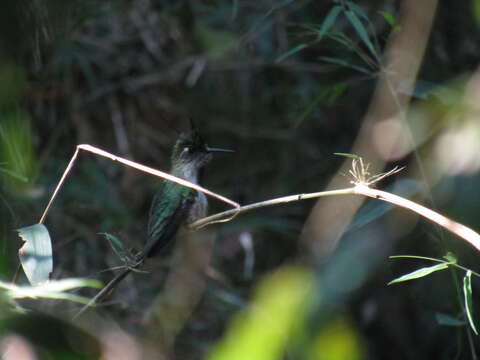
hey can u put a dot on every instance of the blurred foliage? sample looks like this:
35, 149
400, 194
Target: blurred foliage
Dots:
284, 83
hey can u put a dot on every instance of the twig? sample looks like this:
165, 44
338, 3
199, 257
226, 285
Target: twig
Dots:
229, 214
134, 165
454, 227
105, 291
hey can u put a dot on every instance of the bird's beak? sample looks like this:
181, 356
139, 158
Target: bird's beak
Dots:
210, 149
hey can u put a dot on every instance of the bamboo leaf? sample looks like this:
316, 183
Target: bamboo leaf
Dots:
290, 52
389, 18
115, 243
467, 292
342, 62
351, 156
329, 21
420, 273
448, 320
361, 31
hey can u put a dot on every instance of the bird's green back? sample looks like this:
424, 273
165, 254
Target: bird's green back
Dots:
169, 210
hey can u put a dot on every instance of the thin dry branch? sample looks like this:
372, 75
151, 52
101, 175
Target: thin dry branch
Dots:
133, 164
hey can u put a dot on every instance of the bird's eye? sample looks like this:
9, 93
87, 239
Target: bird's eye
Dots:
187, 149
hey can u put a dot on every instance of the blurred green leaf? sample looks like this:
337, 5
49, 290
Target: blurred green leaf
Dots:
36, 254
308, 109
329, 21
289, 53
357, 10
263, 330
12, 85
334, 92
51, 290
361, 31
351, 156
420, 273
338, 340
448, 320
216, 43
450, 257
16, 149
476, 10
389, 18
13, 174
278, 5
343, 62
467, 292
115, 243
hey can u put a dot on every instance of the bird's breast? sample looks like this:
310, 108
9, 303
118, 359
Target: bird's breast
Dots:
199, 208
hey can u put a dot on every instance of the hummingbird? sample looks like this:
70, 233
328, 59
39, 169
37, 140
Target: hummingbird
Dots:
174, 205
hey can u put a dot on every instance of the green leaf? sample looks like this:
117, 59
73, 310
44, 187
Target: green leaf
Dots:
476, 10
420, 273
467, 292
389, 18
342, 62
36, 254
329, 20
448, 320
308, 109
450, 257
361, 31
115, 243
351, 156
290, 52
51, 290
334, 92
14, 174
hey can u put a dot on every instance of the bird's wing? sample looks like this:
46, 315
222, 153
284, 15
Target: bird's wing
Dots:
170, 208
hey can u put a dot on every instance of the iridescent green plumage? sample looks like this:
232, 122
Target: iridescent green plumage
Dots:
170, 208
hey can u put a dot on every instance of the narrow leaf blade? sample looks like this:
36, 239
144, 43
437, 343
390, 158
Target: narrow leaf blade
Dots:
342, 62
329, 21
448, 320
291, 52
348, 155
361, 31
389, 18
467, 292
420, 273
36, 254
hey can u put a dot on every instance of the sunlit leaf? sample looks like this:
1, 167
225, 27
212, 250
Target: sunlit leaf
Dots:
351, 156
262, 331
389, 18
467, 293
51, 290
420, 273
338, 340
36, 254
